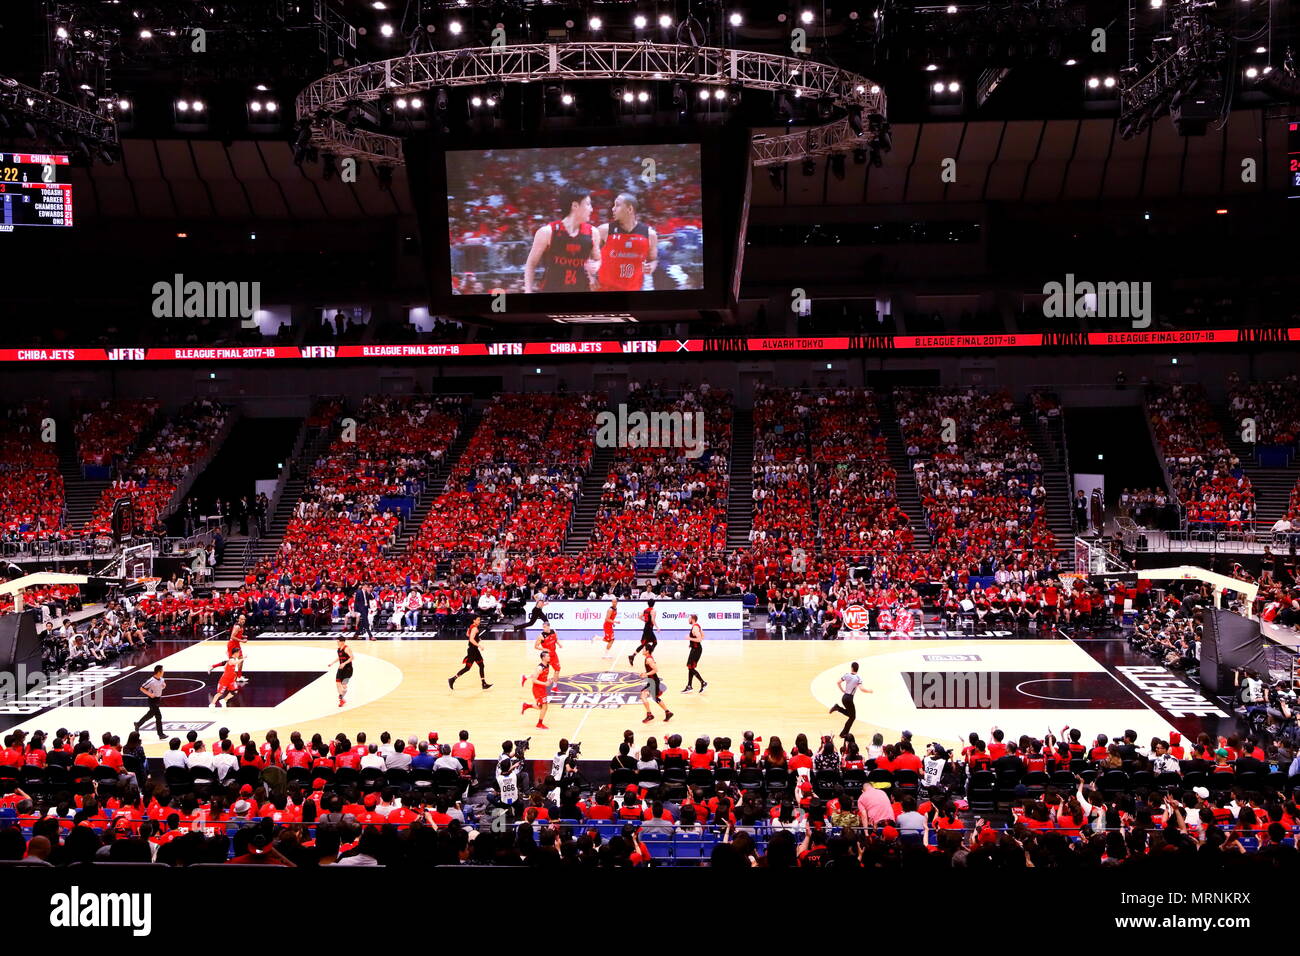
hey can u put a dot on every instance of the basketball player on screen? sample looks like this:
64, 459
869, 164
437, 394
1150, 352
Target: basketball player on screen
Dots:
629, 248
567, 250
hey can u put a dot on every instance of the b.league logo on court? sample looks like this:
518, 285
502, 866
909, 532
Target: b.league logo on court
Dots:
597, 690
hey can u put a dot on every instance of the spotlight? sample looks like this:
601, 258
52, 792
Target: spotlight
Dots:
61, 33
385, 29
628, 96
455, 28
124, 105
665, 20
595, 23
1071, 62
806, 16
643, 96
952, 8
1093, 82
401, 102
272, 106
1251, 72
938, 87
1157, 4
954, 87
476, 101
182, 106
567, 99
1109, 82
1261, 49
491, 102
639, 22
198, 106
146, 34
704, 93
255, 106
931, 67
736, 19
719, 94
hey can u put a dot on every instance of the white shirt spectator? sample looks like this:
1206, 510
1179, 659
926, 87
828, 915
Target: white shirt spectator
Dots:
175, 758
372, 761
201, 758
224, 764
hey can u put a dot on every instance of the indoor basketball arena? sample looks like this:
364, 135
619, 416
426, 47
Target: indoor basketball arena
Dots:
855, 438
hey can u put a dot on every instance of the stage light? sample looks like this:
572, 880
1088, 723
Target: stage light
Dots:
938, 87
455, 28
952, 8
255, 106
1109, 82
567, 99
643, 96
198, 106
639, 22
1251, 72
401, 102
1261, 49
1071, 62
61, 33
491, 102
124, 105
665, 20
182, 106
595, 23
1220, 212
476, 101
736, 19
1093, 82
806, 16
719, 93
1157, 4
386, 29
954, 87
704, 94
146, 34
272, 106
628, 97
930, 68
379, 5
417, 103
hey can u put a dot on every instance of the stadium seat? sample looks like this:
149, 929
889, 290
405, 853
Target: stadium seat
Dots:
981, 790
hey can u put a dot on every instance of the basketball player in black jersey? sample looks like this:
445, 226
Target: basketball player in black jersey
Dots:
345, 667
473, 655
653, 690
693, 658
648, 640
568, 250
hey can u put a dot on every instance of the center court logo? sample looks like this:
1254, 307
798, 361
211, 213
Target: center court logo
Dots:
75, 909
597, 690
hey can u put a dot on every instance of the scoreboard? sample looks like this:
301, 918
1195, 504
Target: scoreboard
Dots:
1293, 160
34, 191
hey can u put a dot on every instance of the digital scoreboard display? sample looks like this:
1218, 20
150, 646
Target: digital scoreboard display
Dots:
1293, 160
34, 191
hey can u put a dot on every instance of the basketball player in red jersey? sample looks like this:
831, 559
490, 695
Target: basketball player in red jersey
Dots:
629, 249
567, 250
549, 642
227, 687
611, 615
235, 649
541, 687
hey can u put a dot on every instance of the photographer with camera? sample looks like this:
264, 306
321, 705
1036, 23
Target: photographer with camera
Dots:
564, 769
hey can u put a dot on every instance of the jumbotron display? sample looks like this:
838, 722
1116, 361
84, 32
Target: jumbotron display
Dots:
566, 220
31, 191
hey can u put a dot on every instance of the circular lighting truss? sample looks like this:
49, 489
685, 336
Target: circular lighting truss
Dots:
859, 103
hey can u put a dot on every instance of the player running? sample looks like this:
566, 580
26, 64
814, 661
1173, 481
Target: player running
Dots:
541, 684
235, 649
629, 248
693, 658
473, 655
611, 615
228, 686
567, 250
550, 642
345, 667
653, 690
648, 640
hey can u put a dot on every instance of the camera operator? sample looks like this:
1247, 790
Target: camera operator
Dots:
564, 767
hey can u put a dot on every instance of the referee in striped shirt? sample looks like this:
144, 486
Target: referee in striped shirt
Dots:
849, 684
153, 689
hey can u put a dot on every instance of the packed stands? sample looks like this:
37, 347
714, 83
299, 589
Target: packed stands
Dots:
1206, 477
31, 487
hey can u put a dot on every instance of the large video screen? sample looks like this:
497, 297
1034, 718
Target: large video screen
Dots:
570, 220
